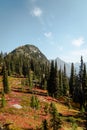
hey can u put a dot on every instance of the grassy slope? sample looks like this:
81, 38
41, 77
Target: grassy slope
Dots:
26, 117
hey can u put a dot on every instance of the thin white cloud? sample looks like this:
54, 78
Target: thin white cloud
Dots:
78, 42
48, 34
37, 12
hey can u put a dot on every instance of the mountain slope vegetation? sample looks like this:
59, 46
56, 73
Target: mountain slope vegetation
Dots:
39, 94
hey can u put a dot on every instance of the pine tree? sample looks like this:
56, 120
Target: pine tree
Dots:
3, 101
53, 83
81, 71
5, 80
34, 102
81, 82
45, 125
60, 83
65, 82
55, 119
56, 79
84, 84
72, 80
80, 85
76, 93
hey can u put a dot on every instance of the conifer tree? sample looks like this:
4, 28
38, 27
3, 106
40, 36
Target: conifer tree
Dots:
56, 81
72, 80
55, 119
81, 72
53, 81
34, 102
76, 92
84, 84
3, 101
65, 82
60, 83
81, 82
45, 125
5, 80
50, 83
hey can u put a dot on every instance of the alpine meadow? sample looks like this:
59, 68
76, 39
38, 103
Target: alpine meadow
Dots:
39, 93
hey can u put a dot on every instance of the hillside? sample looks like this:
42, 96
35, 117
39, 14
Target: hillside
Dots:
31, 95
25, 58
21, 116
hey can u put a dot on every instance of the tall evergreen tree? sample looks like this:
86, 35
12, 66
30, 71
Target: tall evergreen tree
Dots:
78, 93
65, 82
81, 72
81, 82
45, 125
55, 119
5, 80
56, 79
72, 80
84, 84
52, 85
60, 83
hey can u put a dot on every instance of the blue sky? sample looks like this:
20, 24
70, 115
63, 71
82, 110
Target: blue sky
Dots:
57, 27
